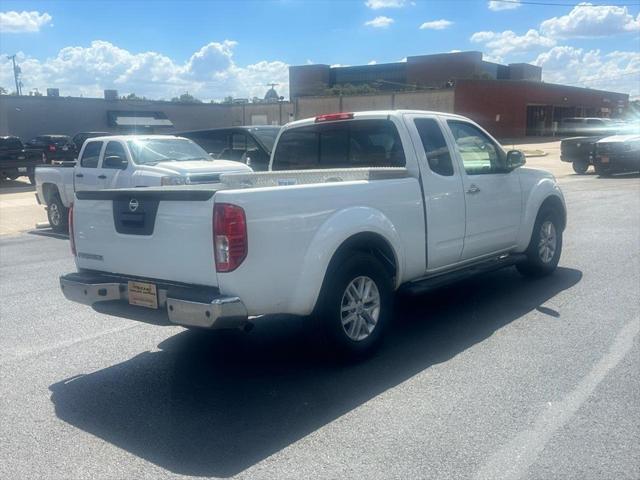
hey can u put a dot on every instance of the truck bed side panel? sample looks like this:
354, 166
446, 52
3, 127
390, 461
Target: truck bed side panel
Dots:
295, 230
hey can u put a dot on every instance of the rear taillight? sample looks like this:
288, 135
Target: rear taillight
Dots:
72, 239
52, 148
230, 242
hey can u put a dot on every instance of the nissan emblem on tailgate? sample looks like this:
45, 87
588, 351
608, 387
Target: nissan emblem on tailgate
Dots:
133, 205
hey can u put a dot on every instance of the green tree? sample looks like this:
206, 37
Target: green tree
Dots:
186, 98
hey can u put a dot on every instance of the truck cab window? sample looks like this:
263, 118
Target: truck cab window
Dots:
91, 155
435, 146
478, 152
353, 144
114, 149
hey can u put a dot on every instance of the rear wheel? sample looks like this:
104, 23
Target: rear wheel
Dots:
356, 304
58, 214
580, 166
545, 247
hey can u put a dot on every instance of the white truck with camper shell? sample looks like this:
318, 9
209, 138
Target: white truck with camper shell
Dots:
355, 207
126, 161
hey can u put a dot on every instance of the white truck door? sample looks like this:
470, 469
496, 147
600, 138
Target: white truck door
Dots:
86, 170
443, 192
493, 195
115, 166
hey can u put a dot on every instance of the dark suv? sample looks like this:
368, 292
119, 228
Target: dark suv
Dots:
250, 145
58, 148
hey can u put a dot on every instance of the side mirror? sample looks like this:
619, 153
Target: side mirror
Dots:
515, 159
114, 161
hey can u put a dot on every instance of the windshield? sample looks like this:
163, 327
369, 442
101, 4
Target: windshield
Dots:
267, 137
154, 150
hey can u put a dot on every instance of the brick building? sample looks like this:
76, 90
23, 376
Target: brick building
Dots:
509, 100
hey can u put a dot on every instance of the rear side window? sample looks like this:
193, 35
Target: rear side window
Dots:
212, 142
359, 143
91, 154
10, 144
61, 140
435, 146
114, 149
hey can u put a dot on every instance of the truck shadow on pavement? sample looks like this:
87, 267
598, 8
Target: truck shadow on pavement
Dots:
216, 403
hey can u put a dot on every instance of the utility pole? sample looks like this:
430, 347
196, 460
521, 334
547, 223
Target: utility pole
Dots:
16, 74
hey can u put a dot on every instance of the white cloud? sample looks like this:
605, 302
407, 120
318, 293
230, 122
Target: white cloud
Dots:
372, 62
508, 5
591, 21
210, 72
618, 71
507, 42
20, 22
378, 4
379, 22
436, 25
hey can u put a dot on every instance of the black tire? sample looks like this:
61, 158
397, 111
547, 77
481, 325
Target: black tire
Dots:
580, 166
536, 264
600, 171
58, 214
341, 274
32, 177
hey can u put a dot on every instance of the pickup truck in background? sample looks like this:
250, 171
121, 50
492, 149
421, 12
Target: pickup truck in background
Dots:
16, 160
54, 148
356, 206
581, 151
125, 161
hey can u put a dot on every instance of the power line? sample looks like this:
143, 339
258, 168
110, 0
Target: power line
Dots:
549, 4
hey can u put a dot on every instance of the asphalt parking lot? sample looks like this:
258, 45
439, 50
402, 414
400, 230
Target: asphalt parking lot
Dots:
495, 378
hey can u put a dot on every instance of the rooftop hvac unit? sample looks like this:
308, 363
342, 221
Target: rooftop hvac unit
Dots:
53, 92
111, 95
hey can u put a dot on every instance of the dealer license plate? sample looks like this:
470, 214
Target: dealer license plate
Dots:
65, 148
143, 294
604, 159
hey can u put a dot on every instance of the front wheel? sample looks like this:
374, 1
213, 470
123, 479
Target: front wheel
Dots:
356, 304
545, 247
580, 166
57, 214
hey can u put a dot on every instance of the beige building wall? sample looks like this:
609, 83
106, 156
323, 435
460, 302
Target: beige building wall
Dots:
441, 100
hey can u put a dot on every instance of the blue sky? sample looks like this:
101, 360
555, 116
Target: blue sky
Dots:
216, 48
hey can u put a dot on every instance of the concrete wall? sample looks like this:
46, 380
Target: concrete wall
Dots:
440, 100
27, 117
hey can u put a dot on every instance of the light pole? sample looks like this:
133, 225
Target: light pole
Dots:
16, 73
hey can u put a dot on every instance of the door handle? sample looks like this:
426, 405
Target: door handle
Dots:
79, 175
102, 177
473, 188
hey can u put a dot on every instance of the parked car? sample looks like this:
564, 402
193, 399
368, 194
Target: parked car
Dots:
126, 161
618, 154
54, 148
388, 200
250, 145
79, 138
579, 151
16, 160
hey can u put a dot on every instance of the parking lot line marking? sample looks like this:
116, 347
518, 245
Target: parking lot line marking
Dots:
514, 459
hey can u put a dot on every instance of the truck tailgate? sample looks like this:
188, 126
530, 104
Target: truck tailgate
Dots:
160, 234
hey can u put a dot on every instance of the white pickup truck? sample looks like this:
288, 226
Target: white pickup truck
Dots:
126, 161
356, 207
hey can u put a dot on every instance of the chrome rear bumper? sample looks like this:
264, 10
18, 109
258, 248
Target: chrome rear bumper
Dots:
190, 306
